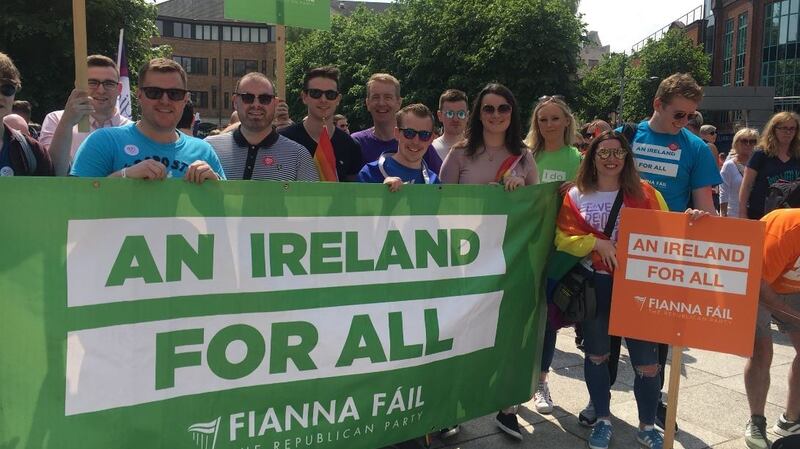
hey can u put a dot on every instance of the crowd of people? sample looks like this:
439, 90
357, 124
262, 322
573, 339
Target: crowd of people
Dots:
668, 161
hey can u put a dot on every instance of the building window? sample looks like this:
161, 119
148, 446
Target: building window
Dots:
727, 53
227, 101
194, 66
227, 71
264, 66
198, 32
214, 33
243, 66
237, 34
274, 64
214, 66
741, 50
263, 35
187, 30
177, 29
780, 57
160, 26
213, 97
245, 34
199, 98
226, 33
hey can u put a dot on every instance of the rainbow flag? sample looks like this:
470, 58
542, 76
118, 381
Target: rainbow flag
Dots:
323, 157
507, 167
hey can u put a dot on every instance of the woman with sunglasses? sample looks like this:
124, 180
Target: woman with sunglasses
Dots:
776, 158
733, 170
608, 170
550, 138
493, 152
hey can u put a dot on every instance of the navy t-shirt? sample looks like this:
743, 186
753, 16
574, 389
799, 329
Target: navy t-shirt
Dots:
770, 170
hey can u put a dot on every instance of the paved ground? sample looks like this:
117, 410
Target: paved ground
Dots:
712, 410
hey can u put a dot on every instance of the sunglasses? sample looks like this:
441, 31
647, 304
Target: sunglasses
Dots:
250, 98
461, 114
157, 93
317, 93
8, 90
544, 98
605, 153
503, 109
748, 141
713, 133
684, 115
107, 84
410, 133
786, 128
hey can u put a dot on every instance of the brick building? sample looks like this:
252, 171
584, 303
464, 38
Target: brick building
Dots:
215, 51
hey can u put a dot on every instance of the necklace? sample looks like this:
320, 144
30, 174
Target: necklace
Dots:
491, 151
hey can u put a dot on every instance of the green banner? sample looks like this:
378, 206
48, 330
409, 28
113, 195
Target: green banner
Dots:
315, 14
259, 315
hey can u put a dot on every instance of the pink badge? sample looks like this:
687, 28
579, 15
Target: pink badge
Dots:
269, 161
673, 147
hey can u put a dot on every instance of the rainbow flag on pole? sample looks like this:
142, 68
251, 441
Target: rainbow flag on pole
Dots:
324, 158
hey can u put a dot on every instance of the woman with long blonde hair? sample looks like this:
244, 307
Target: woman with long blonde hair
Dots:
776, 158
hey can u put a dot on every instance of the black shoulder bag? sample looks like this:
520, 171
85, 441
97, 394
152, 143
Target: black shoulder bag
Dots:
575, 293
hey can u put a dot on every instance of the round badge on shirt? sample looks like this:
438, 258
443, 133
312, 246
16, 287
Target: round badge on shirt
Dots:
6, 171
269, 161
131, 150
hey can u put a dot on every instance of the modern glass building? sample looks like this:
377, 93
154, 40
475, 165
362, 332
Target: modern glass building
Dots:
780, 58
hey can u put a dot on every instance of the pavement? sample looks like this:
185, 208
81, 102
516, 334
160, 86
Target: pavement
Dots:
712, 407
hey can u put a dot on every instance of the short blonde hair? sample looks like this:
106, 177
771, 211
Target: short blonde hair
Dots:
384, 78
679, 85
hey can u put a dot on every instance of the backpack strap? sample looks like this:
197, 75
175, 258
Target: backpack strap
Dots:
27, 151
629, 131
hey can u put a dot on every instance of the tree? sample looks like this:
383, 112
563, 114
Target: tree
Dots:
531, 46
673, 53
37, 34
600, 88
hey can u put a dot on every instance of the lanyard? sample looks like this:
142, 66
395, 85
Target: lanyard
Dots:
425, 174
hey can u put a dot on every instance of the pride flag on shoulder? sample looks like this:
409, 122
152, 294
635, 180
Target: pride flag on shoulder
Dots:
324, 158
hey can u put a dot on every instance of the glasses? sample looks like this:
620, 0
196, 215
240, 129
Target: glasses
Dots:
713, 133
605, 153
503, 109
317, 93
544, 98
107, 84
461, 114
410, 133
748, 141
250, 98
790, 129
157, 93
8, 90
684, 115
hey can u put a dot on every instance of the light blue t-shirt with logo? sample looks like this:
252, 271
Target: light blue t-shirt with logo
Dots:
675, 164
108, 150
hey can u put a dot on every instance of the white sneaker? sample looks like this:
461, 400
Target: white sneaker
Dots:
542, 400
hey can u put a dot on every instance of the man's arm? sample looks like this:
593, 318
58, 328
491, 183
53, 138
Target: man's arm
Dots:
78, 106
769, 299
702, 200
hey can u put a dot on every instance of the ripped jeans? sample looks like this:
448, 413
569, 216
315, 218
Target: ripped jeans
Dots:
643, 357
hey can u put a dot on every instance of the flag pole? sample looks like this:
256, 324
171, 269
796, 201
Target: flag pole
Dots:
119, 48
280, 59
79, 35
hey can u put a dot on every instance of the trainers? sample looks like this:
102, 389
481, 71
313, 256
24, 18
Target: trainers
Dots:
661, 417
587, 417
542, 400
650, 438
755, 433
601, 435
449, 432
785, 428
507, 422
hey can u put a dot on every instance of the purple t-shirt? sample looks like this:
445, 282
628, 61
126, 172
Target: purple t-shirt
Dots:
372, 148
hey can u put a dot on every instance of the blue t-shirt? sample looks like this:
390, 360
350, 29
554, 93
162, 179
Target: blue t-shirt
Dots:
675, 164
372, 172
108, 150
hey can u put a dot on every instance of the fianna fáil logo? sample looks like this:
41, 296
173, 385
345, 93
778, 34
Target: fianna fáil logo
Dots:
205, 434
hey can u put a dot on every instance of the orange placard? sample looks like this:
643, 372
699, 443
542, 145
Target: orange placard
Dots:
687, 285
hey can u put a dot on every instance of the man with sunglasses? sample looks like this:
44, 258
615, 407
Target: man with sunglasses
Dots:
255, 150
321, 96
675, 161
383, 101
60, 135
406, 165
453, 113
151, 148
19, 154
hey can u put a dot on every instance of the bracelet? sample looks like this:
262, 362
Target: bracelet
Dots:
122, 173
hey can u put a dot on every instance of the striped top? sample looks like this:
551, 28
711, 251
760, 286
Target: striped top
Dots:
276, 158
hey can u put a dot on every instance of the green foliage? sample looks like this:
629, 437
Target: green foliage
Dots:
37, 34
600, 88
531, 46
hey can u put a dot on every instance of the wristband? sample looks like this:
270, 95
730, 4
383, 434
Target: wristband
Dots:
122, 173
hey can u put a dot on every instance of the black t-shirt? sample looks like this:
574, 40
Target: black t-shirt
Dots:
346, 150
770, 170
